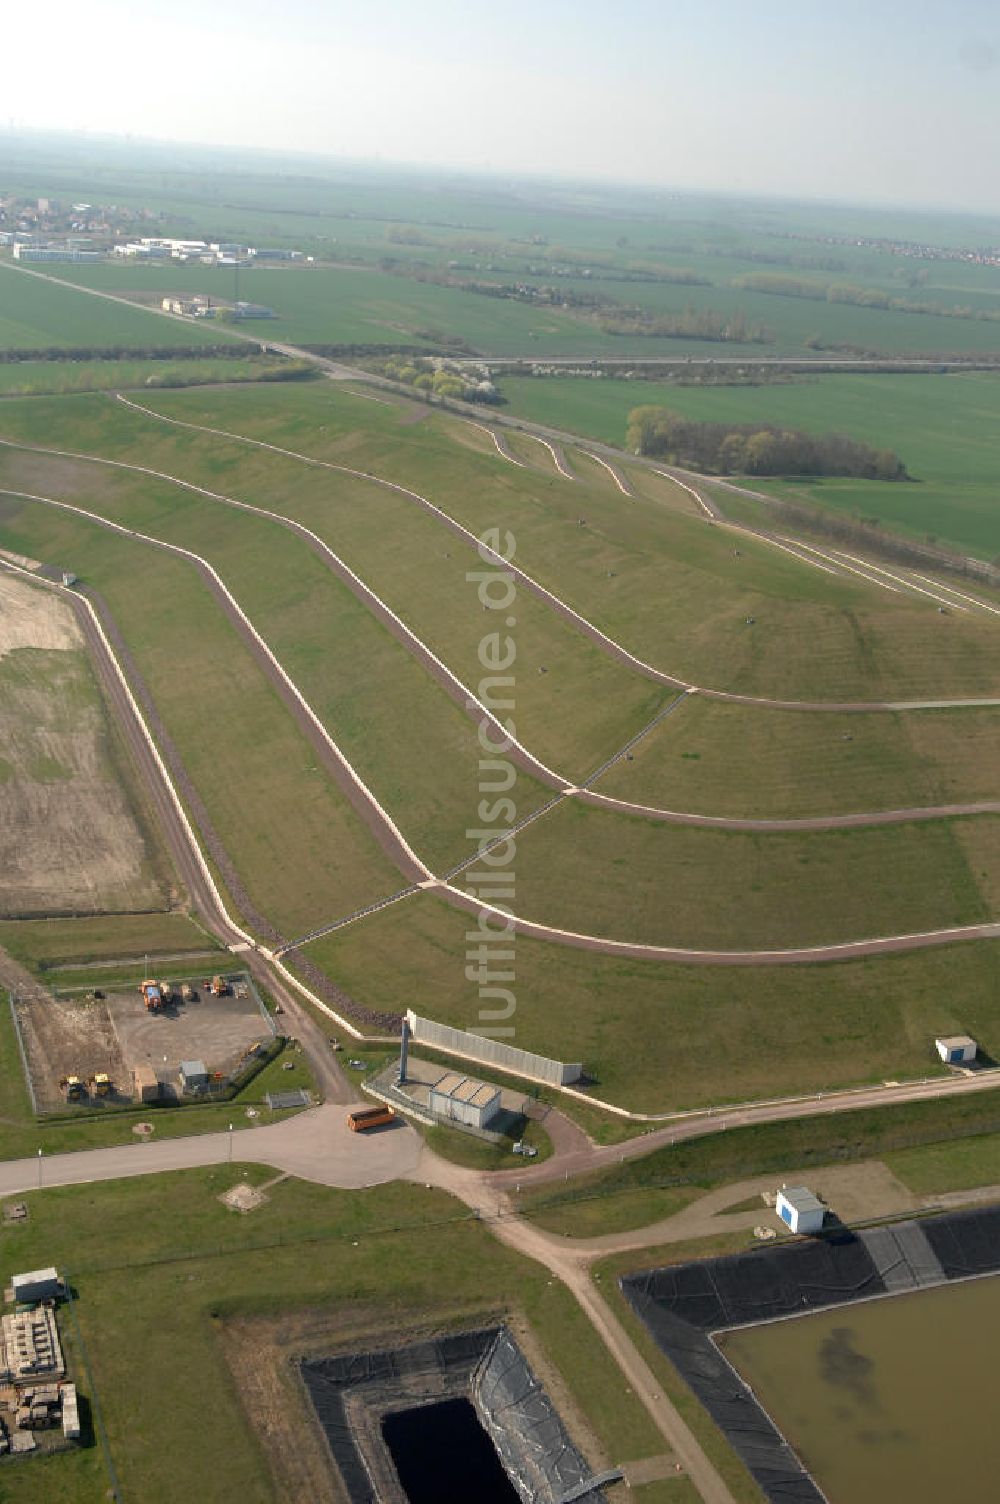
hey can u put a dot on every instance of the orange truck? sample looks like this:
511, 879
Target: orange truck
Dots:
363, 1118
152, 995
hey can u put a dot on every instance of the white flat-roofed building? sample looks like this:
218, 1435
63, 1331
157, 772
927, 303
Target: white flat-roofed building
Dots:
37, 1284
799, 1209
463, 1100
956, 1049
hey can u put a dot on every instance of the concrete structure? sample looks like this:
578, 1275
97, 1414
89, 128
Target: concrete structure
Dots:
492, 1052
193, 1075
956, 1049
70, 1413
799, 1209
31, 1347
147, 1087
39, 1284
463, 1100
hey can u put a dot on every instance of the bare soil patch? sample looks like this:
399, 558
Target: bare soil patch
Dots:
70, 842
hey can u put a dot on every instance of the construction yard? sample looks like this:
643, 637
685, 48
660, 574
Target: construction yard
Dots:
84, 1036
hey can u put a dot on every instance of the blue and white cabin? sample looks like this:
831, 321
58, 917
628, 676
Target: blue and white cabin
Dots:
799, 1209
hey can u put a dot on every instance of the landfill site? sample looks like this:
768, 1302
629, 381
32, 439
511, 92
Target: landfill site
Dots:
39, 1409
162, 1040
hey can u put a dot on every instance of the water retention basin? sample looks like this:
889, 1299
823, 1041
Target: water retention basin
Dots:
456, 1416
441, 1451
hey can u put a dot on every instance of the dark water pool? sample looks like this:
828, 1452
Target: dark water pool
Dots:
442, 1452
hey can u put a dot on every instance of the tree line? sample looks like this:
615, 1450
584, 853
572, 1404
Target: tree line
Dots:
756, 449
860, 297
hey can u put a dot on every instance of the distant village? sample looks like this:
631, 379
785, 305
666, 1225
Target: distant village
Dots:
42, 229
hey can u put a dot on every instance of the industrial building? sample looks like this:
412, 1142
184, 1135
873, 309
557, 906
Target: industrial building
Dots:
462, 1100
956, 1049
799, 1209
53, 253
38, 1284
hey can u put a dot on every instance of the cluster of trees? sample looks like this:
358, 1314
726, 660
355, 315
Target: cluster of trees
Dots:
819, 292
440, 382
751, 449
287, 370
690, 323
861, 297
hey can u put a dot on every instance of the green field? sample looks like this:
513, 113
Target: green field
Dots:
41, 944
362, 306
403, 1259
304, 612
719, 759
574, 706
626, 878
943, 427
664, 584
42, 378
39, 314
656, 1036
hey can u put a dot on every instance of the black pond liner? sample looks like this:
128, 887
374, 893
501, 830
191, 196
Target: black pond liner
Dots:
441, 1451
683, 1304
355, 1394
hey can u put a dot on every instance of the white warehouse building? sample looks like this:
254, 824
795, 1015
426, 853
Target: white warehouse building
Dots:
799, 1209
463, 1100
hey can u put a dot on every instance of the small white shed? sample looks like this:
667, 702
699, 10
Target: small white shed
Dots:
799, 1209
956, 1049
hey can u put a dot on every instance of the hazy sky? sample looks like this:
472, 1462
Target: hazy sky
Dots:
895, 101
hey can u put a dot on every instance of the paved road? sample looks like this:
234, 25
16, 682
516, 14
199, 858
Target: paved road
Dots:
315, 1145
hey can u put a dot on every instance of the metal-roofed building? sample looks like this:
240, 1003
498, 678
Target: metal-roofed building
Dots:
799, 1209
464, 1100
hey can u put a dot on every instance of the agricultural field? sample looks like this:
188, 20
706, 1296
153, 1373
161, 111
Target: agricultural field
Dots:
943, 427
74, 834
45, 378
39, 313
